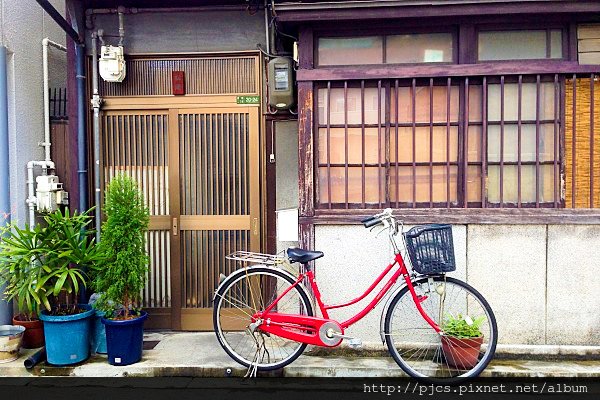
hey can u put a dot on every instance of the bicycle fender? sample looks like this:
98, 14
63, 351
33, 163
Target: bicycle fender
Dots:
249, 269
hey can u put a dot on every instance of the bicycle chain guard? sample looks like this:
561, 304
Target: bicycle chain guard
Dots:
301, 328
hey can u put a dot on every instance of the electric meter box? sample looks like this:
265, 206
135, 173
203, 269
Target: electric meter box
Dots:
112, 63
281, 84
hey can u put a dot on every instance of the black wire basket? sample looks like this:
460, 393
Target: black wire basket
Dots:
431, 249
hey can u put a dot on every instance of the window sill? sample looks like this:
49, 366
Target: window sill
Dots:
538, 216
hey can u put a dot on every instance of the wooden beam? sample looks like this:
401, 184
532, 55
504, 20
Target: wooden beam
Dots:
303, 12
306, 47
444, 70
305, 149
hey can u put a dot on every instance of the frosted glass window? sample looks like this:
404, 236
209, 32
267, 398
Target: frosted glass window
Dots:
555, 43
350, 51
419, 48
422, 102
354, 109
528, 143
519, 45
503, 143
528, 103
510, 190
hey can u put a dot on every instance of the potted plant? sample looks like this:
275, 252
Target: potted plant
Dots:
52, 256
18, 273
462, 340
121, 276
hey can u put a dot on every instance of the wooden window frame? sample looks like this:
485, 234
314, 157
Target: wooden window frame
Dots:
309, 75
529, 27
384, 33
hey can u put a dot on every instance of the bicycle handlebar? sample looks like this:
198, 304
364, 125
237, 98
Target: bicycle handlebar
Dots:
387, 219
371, 221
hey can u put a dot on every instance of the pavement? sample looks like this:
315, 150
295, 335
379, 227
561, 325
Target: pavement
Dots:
198, 354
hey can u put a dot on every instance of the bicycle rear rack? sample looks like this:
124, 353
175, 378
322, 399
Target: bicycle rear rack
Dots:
259, 258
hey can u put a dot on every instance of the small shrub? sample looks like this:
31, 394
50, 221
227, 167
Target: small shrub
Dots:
121, 276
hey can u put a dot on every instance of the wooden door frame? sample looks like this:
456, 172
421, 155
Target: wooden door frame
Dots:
173, 107
252, 222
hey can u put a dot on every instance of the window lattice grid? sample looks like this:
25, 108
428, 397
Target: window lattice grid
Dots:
402, 143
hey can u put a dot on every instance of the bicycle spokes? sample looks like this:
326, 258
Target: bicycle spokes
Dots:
421, 351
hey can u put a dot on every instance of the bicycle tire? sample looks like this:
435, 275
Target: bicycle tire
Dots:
406, 367
218, 301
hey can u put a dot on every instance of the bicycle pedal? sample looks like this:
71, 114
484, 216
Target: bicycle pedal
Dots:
355, 343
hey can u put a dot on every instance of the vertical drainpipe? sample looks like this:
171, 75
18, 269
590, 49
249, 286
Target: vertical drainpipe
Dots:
81, 131
82, 179
5, 307
96, 103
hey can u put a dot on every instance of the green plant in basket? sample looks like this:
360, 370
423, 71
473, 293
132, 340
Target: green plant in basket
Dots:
121, 276
463, 326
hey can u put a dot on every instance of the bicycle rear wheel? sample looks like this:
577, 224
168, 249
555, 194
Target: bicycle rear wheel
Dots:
423, 353
243, 294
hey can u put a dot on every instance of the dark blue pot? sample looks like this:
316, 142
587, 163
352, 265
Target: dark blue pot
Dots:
124, 339
98, 338
67, 337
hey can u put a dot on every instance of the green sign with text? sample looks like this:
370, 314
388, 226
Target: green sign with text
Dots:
247, 100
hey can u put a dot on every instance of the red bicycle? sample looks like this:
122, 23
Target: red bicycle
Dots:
438, 329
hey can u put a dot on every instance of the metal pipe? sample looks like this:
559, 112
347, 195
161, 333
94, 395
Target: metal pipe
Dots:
55, 15
81, 129
121, 11
47, 143
5, 307
96, 103
267, 36
160, 10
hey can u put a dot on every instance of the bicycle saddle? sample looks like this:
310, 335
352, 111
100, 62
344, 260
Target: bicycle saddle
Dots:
302, 256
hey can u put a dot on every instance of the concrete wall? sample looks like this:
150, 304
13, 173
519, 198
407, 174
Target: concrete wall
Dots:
541, 280
23, 25
207, 31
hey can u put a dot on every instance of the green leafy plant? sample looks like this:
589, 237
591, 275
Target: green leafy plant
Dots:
463, 326
42, 266
121, 276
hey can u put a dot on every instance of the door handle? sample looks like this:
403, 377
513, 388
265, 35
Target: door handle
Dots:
175, 227
255, 226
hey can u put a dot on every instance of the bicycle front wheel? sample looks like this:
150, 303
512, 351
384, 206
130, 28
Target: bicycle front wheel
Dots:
425, 354
245, 293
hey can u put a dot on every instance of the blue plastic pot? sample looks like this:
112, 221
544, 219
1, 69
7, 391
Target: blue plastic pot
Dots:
67, 337
98, 338
124, 339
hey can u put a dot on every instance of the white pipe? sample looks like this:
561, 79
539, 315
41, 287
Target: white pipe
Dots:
31, 199
46, 143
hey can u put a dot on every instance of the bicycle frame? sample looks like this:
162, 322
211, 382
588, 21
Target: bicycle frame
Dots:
305, 329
